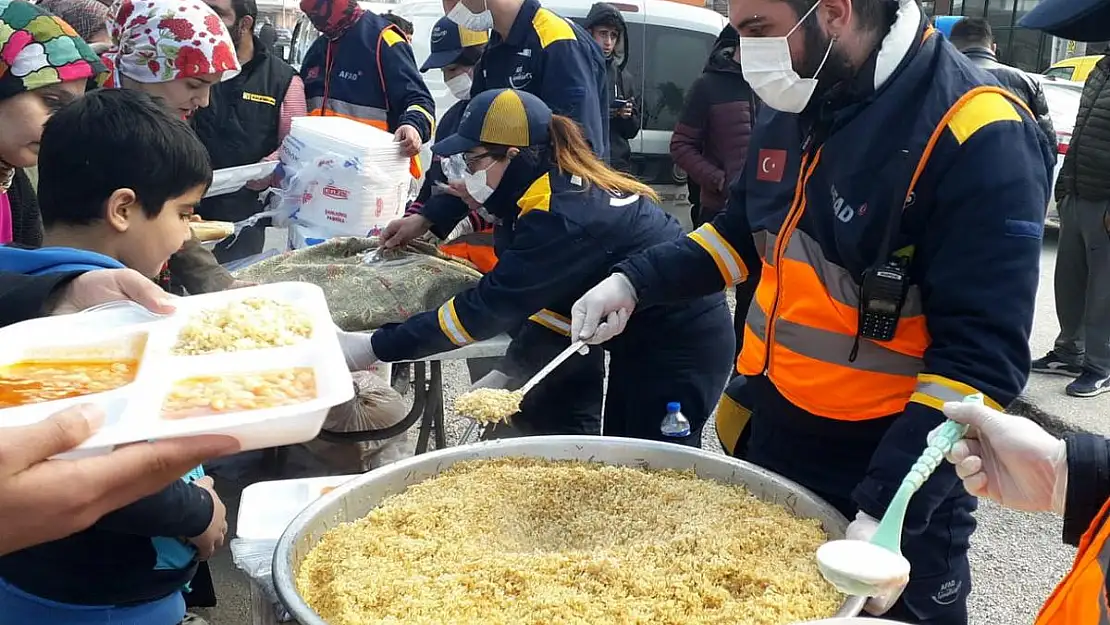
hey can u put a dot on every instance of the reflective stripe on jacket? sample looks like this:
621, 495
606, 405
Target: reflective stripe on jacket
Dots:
1080, 599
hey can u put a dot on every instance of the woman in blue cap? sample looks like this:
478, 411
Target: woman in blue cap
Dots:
454, 51
565, 220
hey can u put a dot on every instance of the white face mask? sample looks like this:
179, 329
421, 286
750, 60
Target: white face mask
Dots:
471, 21
770, 73
460, 86
476, 185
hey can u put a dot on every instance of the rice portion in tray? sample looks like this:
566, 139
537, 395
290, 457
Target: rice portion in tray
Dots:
536, 541
253, 323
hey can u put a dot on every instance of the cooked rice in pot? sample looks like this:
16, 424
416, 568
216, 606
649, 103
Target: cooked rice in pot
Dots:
519, 541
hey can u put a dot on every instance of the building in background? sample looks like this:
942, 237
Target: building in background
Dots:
1031, 50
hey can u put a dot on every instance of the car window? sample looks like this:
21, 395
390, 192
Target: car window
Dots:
1063, 104
1061, 73
304, 34
672, 60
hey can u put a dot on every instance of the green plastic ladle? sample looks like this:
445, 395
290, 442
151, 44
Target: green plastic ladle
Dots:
870, 569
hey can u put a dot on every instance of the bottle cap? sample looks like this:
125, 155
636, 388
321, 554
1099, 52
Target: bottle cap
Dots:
674, 407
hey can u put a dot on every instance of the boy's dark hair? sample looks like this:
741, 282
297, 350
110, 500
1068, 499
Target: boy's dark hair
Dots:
609, 21
115, 139
971, 31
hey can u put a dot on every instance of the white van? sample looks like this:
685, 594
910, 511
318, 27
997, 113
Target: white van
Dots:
669, 44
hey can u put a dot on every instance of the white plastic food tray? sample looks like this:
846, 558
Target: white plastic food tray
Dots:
134, 410
231, 179
267, 508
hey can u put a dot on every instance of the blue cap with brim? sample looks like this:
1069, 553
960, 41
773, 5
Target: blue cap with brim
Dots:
1078, 20
505, 117
448, 40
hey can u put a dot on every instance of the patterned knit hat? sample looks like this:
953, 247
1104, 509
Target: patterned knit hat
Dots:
87, 17
156, 41
38, 50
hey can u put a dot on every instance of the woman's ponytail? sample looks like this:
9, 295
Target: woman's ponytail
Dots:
574, 156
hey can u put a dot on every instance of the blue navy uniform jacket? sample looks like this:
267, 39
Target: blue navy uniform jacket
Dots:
972, 226
374, 78
564, 239
556, 60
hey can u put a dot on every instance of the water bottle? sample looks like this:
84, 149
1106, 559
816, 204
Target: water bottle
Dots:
675, 424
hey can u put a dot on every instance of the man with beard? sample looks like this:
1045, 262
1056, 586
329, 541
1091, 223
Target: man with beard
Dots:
245, 121
899, 266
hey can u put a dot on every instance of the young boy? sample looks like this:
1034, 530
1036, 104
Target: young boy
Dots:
118, 180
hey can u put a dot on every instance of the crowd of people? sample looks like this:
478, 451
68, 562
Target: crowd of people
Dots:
874, 193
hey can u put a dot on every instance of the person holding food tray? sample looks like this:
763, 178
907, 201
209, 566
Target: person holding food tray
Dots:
131, 566
568, 218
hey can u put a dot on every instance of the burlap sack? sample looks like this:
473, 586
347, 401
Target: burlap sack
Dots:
375, 406
367, 288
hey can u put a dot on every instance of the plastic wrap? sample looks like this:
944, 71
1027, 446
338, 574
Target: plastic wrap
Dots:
343, 177
255, 558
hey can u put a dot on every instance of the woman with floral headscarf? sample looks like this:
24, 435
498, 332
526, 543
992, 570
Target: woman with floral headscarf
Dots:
174, 50
44, 65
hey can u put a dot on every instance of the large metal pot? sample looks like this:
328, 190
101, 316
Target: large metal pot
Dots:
355, 499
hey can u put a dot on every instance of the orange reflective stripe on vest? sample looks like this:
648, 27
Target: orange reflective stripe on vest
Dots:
1080, 599
801, 327
476, 248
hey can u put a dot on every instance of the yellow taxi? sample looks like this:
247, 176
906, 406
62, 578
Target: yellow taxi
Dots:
1075, 69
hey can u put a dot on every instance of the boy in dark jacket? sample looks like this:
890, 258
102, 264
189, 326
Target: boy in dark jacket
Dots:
131, 566
608, 29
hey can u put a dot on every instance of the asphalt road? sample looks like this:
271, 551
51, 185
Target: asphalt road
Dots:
1017, 558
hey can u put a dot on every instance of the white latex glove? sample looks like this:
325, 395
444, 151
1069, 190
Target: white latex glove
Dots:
1009, 460
864, 528
357, 349
493, 379
603, 311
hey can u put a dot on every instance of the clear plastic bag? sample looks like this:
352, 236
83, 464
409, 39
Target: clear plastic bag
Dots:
255, 558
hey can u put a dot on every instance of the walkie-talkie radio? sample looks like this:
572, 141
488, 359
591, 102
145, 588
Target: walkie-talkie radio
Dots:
884, 285
882, 295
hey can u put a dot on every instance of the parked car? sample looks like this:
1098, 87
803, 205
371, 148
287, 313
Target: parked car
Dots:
669, 43
1074, 69
1063, 107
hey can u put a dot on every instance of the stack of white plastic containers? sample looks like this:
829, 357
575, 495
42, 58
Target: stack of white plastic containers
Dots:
342, 178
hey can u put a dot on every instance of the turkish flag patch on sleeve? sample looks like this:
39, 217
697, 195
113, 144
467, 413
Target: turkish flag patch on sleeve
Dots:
770, 166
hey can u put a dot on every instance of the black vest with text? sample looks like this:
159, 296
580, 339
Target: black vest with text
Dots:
240, 126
